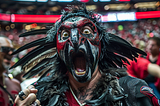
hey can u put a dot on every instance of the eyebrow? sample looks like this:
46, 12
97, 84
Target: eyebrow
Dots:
70, 26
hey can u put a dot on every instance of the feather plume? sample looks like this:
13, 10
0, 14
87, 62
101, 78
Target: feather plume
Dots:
40, 49
42, 65
34, 32
115, 50
41, 41
47, 54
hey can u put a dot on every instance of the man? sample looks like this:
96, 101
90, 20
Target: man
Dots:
83, 68
142, 67
153, 55
153, 49
8, 87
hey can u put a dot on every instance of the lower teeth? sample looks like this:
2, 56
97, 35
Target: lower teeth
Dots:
80, 73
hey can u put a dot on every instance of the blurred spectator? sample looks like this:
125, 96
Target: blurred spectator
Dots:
153, 49
143, 68
9, 87
17, 72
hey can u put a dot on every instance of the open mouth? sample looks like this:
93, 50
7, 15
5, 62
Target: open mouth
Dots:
79, 62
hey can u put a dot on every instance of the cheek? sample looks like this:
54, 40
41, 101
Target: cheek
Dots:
60, 44
1, 57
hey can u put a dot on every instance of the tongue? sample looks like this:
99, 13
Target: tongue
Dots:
80, 64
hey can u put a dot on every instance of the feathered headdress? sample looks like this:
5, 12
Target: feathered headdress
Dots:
114, 50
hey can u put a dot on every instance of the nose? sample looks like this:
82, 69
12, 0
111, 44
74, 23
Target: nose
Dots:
74, 37
10, 52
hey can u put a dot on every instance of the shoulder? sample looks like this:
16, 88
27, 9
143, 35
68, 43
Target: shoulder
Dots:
134, 85
138, 91
131, 81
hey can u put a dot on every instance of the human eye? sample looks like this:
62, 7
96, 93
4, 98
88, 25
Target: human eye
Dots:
64, 34
87, 32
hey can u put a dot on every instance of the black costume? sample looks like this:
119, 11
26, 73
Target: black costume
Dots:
78, 34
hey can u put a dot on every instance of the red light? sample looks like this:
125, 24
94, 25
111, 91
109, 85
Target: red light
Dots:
5, 17
151, 34
54, 18
148, 14
124, 0
34, 25
85, 1
34, 18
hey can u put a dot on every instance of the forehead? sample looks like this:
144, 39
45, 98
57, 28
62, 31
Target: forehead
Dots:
5, 42
152, 42
76, 22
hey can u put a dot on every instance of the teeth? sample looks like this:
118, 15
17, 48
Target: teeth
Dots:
80, 73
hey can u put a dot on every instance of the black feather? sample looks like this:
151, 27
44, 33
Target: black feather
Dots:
41, 41
115, 51
45, 64
35, 70
34, 32
40, 49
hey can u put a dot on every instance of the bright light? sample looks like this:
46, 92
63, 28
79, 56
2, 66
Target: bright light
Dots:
126, 16
112, 17
42, 0
95, 0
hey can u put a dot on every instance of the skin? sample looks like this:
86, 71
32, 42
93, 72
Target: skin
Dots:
154, 69
153, 49
83, 90
30, 93
12, 85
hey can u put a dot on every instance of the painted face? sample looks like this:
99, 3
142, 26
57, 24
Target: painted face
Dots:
78, 45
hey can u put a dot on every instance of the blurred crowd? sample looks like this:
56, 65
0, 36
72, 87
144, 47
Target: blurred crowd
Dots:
137, 33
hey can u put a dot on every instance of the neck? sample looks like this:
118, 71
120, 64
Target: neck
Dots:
153, 57
83, 90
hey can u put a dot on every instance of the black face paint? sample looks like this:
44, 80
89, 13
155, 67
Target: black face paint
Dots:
79, 47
